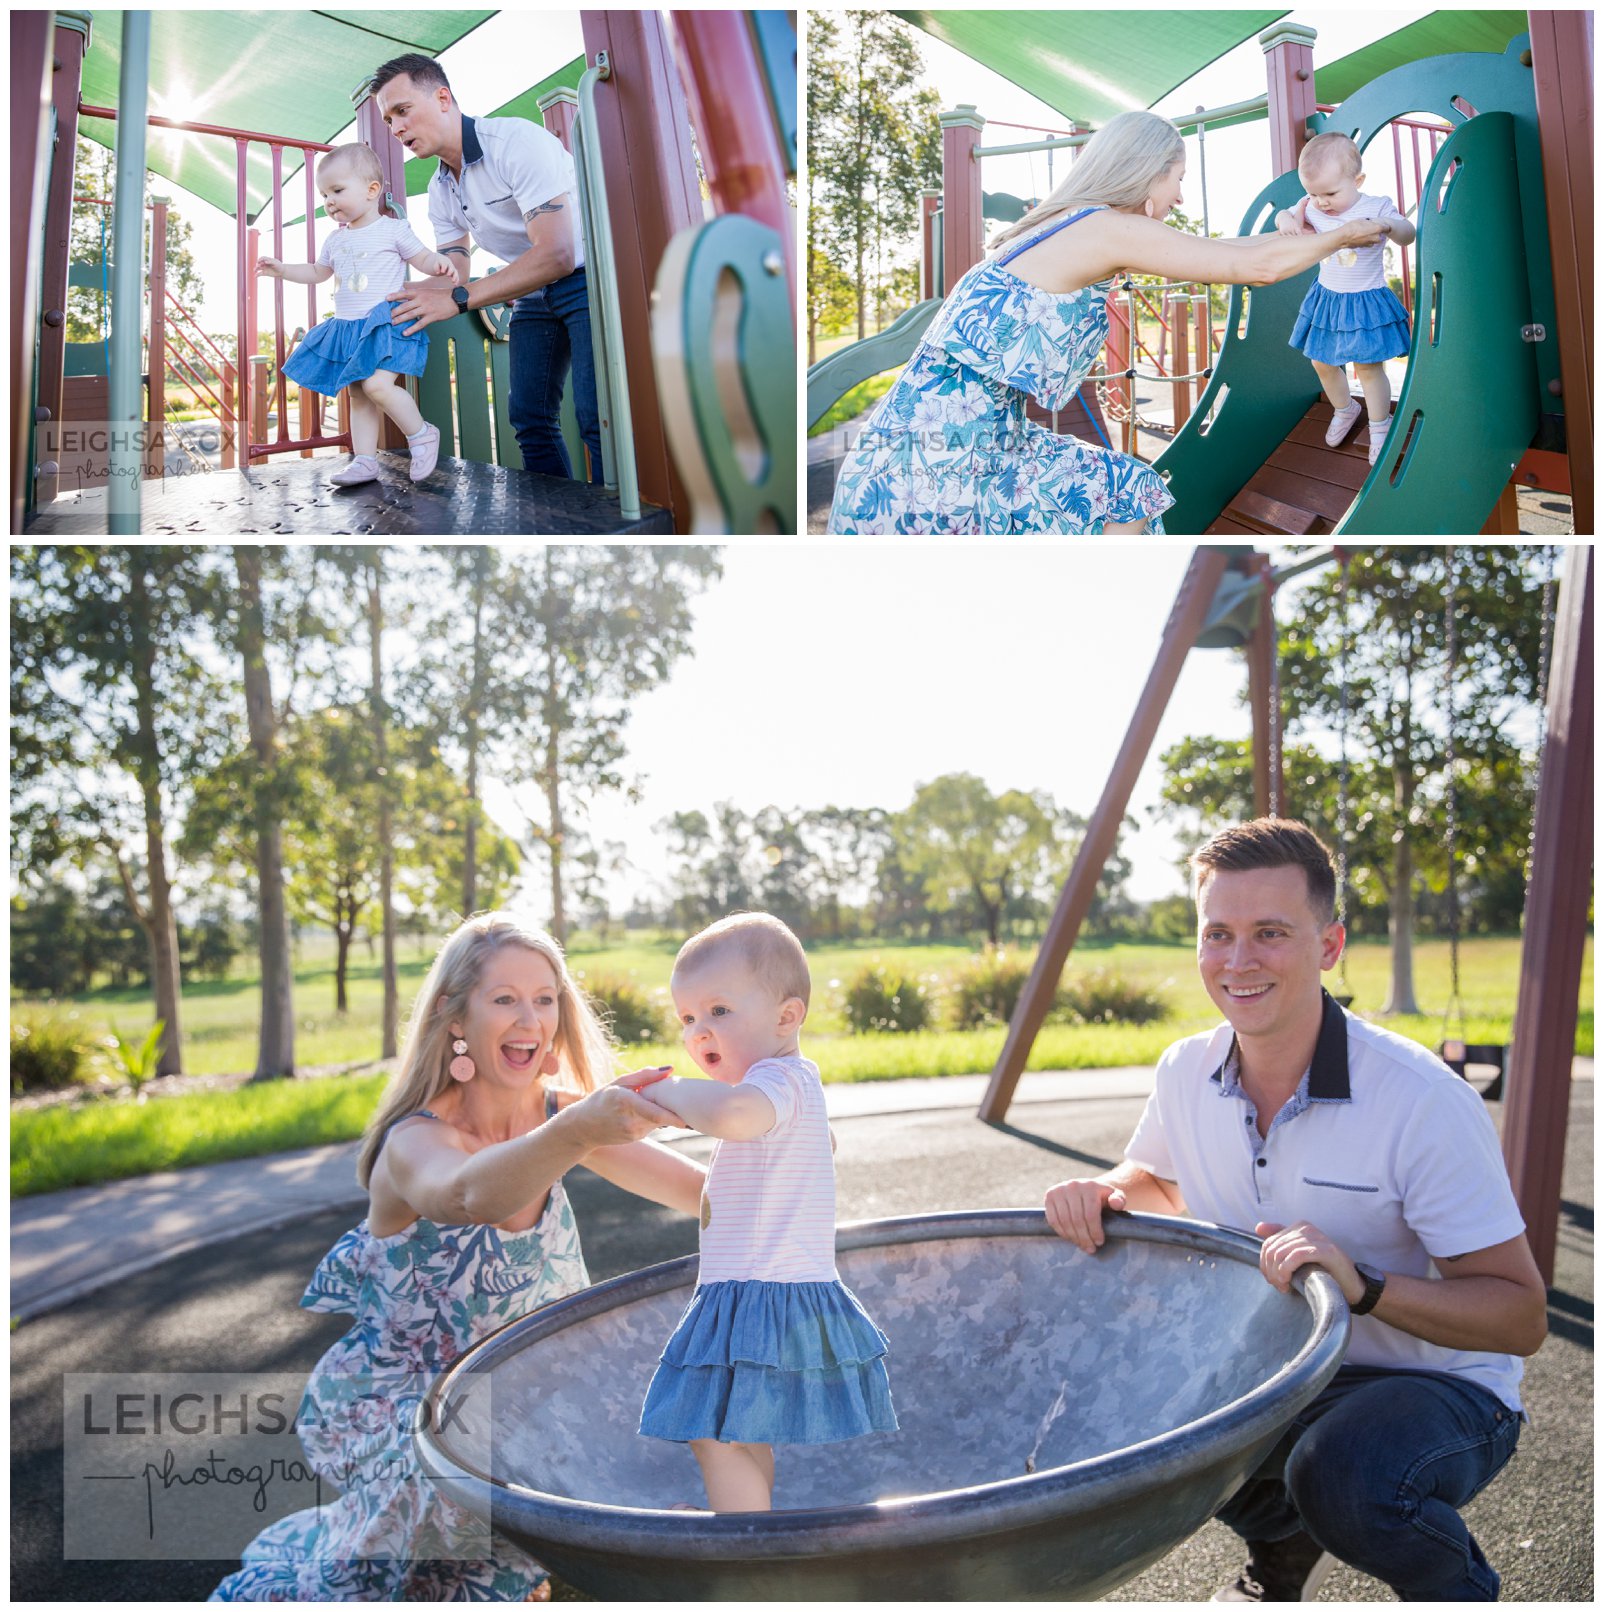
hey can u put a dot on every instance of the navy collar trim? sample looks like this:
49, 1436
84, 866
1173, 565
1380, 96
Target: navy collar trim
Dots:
472, 151
1328, 1070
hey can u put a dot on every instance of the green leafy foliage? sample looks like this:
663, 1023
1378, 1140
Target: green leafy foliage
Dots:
47, 1053
1106, 996
985, 990
881, 996
633, 1014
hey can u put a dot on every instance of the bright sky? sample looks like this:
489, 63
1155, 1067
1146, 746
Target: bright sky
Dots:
501, 58
1238, 158
848, 674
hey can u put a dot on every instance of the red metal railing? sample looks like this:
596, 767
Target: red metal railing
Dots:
248, 400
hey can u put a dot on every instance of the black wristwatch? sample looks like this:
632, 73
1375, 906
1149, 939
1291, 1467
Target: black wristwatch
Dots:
459, 295
1375, 1285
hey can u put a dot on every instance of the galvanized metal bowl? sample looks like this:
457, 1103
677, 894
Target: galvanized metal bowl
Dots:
1066, 1419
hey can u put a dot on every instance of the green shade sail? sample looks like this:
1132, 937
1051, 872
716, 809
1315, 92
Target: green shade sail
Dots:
1442, 33
272, 72
1090, 65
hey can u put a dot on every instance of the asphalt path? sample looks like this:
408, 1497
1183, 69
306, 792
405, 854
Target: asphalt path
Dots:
233, 1307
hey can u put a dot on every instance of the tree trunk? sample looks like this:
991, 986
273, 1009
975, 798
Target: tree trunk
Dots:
1401, 923
275, 1046
342, 958
470, 857
554, 843
161, 926
386, 850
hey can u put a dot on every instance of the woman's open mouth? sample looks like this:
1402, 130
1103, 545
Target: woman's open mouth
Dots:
520, 1054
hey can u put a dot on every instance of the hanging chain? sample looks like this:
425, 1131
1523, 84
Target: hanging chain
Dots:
1542, 711
1274, 693
1455, 1008
1342, 763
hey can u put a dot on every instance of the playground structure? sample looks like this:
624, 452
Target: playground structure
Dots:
692, 301
1499, 177
1125, 1396
1226, 600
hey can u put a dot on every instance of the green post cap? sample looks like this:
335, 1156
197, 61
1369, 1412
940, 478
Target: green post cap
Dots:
1287, 33
962, 116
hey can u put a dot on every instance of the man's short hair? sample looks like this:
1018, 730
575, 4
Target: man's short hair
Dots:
764, 944
1271, 842
424, 71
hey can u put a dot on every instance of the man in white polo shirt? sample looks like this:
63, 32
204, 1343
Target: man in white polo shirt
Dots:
505, 184
1345, 1146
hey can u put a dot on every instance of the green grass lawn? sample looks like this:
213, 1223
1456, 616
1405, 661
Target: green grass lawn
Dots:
851, 404
67, 1146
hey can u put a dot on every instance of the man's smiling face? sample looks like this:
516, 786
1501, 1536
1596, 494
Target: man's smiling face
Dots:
1261, 948
415, 114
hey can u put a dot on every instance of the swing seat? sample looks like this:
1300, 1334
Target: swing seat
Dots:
1459, 1055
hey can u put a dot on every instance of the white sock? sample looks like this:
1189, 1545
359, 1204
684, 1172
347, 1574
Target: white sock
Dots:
421, 432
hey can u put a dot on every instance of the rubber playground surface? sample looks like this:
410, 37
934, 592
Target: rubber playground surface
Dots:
232, 1306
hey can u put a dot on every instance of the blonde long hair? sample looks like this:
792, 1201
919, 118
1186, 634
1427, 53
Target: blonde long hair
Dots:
423, 1072
1116, 168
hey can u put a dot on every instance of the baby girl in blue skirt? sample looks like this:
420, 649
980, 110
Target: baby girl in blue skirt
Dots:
1350, 315
773, 1348
359, 348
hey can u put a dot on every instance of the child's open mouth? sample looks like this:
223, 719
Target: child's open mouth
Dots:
711, 1058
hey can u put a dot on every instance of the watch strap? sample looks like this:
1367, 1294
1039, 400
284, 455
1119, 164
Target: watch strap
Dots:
1375, 1285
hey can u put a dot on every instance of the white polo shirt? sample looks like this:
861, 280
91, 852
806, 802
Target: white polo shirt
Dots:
509, 165
1383, 1148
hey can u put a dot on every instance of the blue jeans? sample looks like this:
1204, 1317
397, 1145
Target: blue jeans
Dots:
549, 334
1375, 1471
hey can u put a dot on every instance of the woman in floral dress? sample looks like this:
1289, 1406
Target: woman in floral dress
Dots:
468, 1228
949, 450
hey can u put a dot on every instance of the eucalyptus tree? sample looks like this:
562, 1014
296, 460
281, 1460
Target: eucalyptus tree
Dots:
115, 707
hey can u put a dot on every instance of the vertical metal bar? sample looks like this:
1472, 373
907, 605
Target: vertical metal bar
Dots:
582, 136
605, 285
157, 347
243, 340
128, 278
254, 395
1403, 251
280, 390
311, 402
1187, 616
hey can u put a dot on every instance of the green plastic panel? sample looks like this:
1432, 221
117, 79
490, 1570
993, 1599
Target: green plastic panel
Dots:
760, 488
1089, 65
273, 72
832, 378
482, 385
1268, 385
1468, 408
775, 33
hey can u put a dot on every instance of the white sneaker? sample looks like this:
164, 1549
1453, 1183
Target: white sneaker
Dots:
1378, 439
363, 467
1342, 422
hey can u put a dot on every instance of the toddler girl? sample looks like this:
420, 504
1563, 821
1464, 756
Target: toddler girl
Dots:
773, 1349
359, 348
1350, 315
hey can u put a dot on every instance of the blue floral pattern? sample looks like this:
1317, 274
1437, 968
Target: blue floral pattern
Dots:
420, 1298
949, 449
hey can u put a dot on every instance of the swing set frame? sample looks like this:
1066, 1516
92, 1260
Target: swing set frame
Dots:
1226, 598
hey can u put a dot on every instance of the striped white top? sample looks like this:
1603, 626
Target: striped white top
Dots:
369, 263
768, 1210
1367, 271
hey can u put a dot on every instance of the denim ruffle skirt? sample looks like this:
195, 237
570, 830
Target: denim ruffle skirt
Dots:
1351, 327
342, 352
771, 1363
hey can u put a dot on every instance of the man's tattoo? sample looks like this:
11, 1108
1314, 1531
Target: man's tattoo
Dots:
544, 207
461, 249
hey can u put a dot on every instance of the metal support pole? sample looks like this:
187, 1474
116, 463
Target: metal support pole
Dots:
244, 323
1537, 1104
929, 204
156, 347
1269, 793
1187, 617
128, 279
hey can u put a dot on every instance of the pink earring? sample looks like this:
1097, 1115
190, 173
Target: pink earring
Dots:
462, 1065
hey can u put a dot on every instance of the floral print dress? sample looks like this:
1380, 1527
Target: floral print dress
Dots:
949, 449
421, 1298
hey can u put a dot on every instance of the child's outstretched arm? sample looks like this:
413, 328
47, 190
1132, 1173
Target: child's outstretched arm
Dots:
300, 273
733, 1113
1400, 230
432, 263
1293, 220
